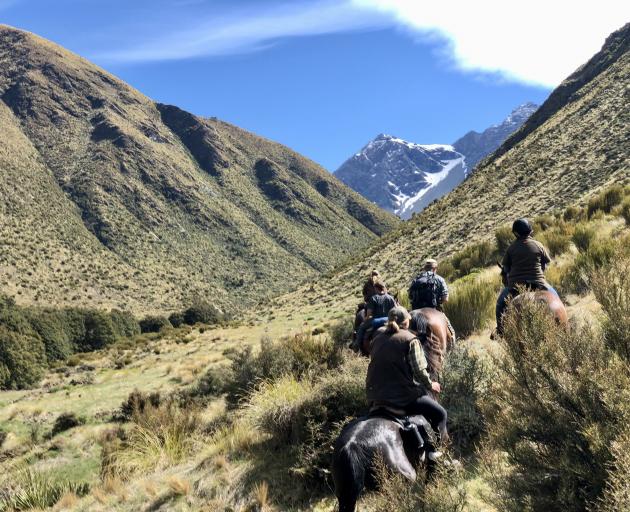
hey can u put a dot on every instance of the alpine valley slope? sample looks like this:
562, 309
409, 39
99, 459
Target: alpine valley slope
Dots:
578, 143
403, 177
109, 199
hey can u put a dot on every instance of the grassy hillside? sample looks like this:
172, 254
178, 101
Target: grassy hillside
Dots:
579, 145
194, 419
110, 199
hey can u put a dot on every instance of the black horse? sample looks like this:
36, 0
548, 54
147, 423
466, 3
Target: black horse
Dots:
366, 440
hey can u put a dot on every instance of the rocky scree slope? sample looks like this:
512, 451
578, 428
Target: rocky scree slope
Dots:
109, 199
403, 177
580, 147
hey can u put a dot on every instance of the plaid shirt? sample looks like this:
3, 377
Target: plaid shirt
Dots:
419, 364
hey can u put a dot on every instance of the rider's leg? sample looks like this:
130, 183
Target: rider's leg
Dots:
435, 414
379, 322
361, 332
500, 307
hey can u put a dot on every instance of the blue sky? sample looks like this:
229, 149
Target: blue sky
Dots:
323, 76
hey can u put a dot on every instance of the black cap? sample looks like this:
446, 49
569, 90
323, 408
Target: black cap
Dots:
522, 227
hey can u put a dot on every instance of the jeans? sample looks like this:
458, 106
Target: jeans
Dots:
372, 322
502, 304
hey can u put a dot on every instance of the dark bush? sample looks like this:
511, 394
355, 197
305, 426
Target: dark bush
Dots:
202, 312
66, 421
176, 319
136, 403
154, 324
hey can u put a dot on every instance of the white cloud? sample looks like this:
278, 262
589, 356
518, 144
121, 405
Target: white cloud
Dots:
538, 42
241, 31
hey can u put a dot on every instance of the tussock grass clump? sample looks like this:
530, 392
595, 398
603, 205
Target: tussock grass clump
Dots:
296, 355
308, 415
560, 400
606, 200
159, 437
503, 237
471, 304
25, 489
583, 235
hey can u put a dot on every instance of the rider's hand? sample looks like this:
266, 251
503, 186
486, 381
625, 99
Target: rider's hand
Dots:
435, 386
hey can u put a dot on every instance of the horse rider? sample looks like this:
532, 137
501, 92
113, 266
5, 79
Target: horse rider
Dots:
523, 264
397, 375
429, 290
376, 312
368, 287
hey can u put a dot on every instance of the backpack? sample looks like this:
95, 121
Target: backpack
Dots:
423, 291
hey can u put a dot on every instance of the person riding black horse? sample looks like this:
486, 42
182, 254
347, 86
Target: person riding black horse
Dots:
397, 375
429, 290
523, 265
376, 312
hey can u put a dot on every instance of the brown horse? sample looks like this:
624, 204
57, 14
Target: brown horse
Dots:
551, 300
432, 330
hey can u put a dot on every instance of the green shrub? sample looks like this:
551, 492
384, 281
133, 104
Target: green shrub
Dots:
583, 235
471, 304
50, 327
611, 286
99, 331
153, 324
22, 359
606, 200
475, 256
465, 382
341, 332
202, 312
560, 400
124, 323
543, 223
616, 495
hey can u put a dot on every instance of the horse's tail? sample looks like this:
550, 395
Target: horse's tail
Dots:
349, 472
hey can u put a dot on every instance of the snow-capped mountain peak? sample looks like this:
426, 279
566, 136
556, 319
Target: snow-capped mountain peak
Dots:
403, 177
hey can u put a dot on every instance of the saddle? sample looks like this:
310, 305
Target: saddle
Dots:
405, 422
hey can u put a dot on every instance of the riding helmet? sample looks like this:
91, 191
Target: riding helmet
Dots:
522, 227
